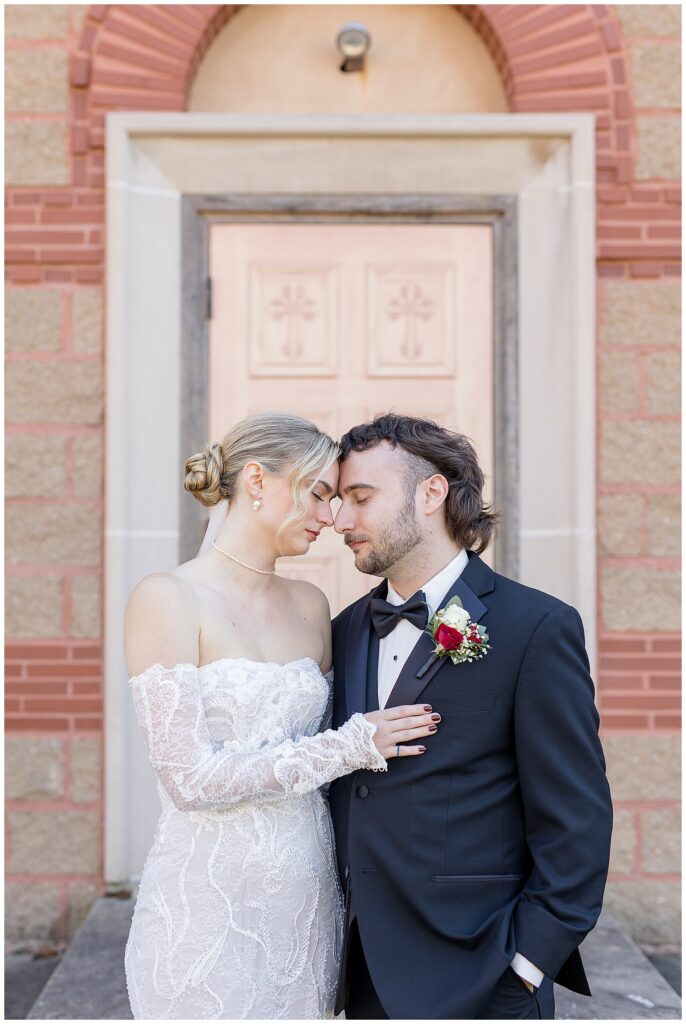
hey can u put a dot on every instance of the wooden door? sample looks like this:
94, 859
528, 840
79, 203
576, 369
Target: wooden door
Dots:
338, 322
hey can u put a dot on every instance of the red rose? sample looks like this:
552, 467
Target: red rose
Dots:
448, 637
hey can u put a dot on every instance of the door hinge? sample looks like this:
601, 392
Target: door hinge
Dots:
208, 298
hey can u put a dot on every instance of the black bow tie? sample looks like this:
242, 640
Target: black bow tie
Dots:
385, 616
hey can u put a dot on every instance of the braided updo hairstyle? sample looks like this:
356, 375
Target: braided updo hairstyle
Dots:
281, 443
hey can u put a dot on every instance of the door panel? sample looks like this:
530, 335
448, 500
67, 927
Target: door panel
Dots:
338, 322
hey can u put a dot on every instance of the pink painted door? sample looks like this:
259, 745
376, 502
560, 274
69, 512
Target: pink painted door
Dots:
339, 322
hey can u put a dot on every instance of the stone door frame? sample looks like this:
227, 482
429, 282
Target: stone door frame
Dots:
199, 213
543, 164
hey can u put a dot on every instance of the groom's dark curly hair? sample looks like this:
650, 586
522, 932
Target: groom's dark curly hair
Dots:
431, 449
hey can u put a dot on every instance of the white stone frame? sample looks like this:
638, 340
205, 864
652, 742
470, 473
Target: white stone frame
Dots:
546, 161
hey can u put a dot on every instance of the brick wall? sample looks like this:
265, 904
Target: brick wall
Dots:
67, 66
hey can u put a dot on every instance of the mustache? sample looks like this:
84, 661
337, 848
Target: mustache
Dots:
352, 538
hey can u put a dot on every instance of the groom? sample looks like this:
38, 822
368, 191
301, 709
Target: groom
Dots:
473, 871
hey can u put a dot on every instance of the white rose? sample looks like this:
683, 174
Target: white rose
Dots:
456, 616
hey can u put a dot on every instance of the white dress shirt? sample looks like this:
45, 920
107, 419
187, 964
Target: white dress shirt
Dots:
395, 649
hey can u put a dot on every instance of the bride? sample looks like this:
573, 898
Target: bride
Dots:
239, 910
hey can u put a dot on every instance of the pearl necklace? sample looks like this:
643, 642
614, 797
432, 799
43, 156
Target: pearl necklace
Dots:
263, 572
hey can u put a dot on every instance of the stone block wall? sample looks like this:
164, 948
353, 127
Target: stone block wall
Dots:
66, 66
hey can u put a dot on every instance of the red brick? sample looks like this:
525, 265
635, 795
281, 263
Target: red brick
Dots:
664, 231
667, 721
61, 671
671, 270
21, 255
622, 645
618, 73
20, 216
645, 270
666, 644
13, 671
89, 275
57, 198
79, 170
139, 59
65, 706
83, 688
193, 16
620, 682
90, 199
545, 16
610, 270
645, 195
623, 136
57, 275
664, 682
564, 101
160, 21
25, 198
12, 704
91, 216
118, 26
23, 275
611, 36
93, 651
88, 724
34, 651
610, 720
45, 237
608, 250
562, 35
541, 84
672, 195
557, 58
79, 139
622, 104
639, 664
617, 231
80, 69
71, 255
640, 701
36, 688
32, 723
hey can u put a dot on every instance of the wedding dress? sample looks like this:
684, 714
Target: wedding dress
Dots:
239, 911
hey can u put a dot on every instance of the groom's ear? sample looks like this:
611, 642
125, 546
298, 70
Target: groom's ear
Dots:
435, 490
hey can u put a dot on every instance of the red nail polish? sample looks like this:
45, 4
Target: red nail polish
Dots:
427, 707
433, 728
422, 750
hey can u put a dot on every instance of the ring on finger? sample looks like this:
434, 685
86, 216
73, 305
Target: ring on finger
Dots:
397, 750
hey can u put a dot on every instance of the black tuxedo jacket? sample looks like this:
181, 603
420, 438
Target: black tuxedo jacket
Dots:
495, 840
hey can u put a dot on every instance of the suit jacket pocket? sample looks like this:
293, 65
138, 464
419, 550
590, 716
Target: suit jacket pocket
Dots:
469, 702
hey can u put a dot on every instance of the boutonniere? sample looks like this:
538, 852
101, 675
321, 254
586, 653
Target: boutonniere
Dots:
455, 635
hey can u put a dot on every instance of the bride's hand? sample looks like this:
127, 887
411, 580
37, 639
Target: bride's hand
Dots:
398, 725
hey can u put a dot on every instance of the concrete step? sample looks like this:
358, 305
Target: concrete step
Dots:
89, 983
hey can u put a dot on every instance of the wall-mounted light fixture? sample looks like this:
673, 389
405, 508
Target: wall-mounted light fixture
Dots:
353, 40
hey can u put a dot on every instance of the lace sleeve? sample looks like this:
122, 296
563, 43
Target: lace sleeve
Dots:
196, 776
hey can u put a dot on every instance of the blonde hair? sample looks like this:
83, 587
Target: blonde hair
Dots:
281, 443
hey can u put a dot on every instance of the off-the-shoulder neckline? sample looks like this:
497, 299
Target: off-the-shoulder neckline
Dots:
221, 661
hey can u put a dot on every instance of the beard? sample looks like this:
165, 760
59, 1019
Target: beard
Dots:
392, 543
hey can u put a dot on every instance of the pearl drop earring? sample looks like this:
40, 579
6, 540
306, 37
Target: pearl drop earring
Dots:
257, 504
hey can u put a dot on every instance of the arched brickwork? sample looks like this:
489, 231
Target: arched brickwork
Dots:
551, 58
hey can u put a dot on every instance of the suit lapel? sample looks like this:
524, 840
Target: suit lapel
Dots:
357, 652
476, 579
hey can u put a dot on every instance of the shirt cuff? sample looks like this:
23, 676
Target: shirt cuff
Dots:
525, 969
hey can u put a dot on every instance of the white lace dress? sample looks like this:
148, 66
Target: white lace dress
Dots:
239, 910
